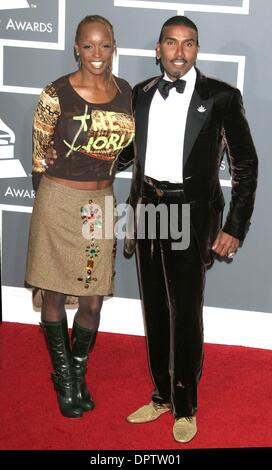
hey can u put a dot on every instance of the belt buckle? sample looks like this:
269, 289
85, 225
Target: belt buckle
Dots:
159, 192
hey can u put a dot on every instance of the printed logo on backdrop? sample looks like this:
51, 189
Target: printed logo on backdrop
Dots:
36, 24
221, 7
10, 166
28, 20
27, 24
13, 4
208, 6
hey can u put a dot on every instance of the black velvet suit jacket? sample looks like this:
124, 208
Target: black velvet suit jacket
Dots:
215, 122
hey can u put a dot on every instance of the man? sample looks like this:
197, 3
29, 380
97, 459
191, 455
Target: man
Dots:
183, 127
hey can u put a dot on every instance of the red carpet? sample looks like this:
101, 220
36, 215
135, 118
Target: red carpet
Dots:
234, 397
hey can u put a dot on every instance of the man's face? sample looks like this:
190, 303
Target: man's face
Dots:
177, 50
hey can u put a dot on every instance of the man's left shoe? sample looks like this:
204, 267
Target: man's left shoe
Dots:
185, 429
149, 412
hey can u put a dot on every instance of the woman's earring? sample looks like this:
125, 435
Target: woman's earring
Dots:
78, 60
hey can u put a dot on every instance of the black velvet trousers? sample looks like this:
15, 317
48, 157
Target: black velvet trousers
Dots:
172, 287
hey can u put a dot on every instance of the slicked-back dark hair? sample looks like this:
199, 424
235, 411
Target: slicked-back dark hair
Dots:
179, 20
94, 19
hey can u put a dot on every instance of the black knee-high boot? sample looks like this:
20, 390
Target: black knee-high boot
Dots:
82, 341
59, 347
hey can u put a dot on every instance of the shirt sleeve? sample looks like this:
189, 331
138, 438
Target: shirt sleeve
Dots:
44, 123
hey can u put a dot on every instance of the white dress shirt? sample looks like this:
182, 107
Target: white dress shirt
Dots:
166, 128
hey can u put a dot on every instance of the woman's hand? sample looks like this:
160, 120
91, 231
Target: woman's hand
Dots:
51, 155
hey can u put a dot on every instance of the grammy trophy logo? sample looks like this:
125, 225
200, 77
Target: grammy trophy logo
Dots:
9, 166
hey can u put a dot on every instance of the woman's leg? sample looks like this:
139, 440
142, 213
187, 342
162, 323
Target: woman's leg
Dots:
53, 307
88, 314
86, 323
54, 324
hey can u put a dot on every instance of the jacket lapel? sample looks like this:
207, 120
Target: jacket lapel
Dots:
199, 109
144, 99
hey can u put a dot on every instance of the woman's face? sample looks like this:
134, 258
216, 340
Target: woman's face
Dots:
96, 48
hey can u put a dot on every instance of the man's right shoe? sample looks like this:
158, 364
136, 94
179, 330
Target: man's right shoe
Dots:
148, 413
185, 429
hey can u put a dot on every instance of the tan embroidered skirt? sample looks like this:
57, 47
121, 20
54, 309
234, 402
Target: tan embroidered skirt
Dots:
71, 242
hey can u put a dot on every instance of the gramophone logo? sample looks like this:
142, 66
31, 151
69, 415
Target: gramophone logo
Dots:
13, 4
9, 166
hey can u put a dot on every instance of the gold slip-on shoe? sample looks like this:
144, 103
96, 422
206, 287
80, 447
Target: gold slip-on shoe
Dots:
185, 429
148, 413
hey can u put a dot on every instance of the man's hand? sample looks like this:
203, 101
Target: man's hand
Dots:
225, 245
51, 155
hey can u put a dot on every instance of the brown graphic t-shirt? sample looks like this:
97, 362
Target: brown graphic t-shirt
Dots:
87, 137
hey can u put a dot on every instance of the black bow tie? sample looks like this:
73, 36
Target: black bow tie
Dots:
164, 86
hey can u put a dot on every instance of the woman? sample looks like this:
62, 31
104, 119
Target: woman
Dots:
88, 115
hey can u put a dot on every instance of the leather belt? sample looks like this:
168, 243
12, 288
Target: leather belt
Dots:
164, 188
